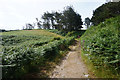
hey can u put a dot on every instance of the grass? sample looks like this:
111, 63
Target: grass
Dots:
32, 32
16, 38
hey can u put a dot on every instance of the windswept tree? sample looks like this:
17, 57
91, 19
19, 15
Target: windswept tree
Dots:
29, 26
57, 20
39, 24
71, 20
51, 19
67, 20
46, 23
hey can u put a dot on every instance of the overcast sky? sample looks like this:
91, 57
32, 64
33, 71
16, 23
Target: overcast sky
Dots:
15, 13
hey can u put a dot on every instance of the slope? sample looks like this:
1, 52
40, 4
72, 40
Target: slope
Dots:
100, 46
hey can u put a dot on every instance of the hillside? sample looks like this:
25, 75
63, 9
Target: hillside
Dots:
32, 47
27, 36
100, 47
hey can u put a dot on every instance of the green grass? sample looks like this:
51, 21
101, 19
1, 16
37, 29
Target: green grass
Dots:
27, 36
31, 32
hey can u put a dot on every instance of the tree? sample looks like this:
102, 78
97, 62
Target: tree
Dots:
51, 18
57, 20
39, 24
87, 22
46, 23
71, 20
105, 11
68, 20
29, 26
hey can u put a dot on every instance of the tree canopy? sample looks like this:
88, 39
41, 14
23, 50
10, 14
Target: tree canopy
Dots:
71, 20
87, 21
105, 11
67, 20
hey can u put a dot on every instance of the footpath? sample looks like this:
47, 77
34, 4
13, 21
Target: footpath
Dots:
72, 66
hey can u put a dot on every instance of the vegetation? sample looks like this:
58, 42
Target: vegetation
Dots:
75, 34
87, 22
100, 45
31, 47
62, 33
105, 11
68, 20
37, 47
71, 20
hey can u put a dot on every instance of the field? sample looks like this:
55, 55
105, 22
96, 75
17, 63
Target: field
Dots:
31, 47
27, 37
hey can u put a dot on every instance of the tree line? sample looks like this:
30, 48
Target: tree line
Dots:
105, 11
68, 20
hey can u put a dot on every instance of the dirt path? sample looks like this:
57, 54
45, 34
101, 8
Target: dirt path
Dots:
72, 66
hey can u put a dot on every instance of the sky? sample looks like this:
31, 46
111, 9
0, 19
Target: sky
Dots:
14, 14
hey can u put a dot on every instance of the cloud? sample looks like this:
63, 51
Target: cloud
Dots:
44, 1
19, 12
1, 14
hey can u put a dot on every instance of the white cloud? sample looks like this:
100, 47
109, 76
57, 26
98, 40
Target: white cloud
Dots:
1, 14
18, 12
44, 1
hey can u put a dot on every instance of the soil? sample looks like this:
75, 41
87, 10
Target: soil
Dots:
72, 65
